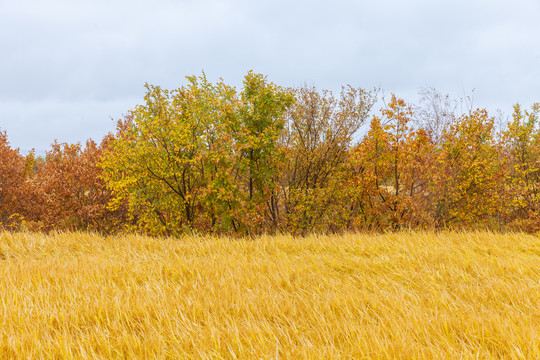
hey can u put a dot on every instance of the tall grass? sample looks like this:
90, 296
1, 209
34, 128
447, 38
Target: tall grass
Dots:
405, 295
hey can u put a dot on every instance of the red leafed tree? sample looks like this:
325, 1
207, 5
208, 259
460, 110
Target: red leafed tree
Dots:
75, 196
16, 200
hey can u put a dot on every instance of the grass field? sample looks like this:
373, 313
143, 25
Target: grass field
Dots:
405, 295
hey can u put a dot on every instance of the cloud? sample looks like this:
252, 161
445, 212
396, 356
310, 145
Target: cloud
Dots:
37, 124
67, 66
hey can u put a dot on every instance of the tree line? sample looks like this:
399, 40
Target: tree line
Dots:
208, 158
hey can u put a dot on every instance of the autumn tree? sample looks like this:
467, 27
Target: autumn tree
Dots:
261, 122
16, 201
391, 168
319, 131
208, 158
434, 113
74, 194
466, 188
522, 148
199, 158
158, 161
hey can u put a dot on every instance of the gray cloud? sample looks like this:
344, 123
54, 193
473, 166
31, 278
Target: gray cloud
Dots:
66, 67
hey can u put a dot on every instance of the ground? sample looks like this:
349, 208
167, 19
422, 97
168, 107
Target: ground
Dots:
402, 295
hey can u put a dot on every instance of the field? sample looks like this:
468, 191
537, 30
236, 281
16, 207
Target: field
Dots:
405, 295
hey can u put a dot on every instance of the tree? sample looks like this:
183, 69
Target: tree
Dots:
435, 113
317, 138
198, 158
261, 116
74, 194
466, 188
16, 201
391, 168
522, 149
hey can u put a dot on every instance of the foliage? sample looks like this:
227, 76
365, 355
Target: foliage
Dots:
466, 188
199, 158
522, 149
391, 168
208, 158
74, 195
16, 202
317, 139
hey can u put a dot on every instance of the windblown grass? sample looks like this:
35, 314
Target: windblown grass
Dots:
405, 295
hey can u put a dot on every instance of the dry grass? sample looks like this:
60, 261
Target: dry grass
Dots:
407, 295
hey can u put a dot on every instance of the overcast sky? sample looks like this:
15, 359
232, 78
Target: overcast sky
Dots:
67, 66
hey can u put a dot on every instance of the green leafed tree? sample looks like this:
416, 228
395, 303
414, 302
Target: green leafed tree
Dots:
199, 158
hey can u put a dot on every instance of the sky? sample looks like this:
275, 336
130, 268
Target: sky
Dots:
70, 68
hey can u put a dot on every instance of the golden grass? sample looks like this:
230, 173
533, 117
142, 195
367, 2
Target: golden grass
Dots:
405, 295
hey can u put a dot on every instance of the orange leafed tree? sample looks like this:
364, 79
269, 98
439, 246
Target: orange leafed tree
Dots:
391, 169
75, 196
16, 201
